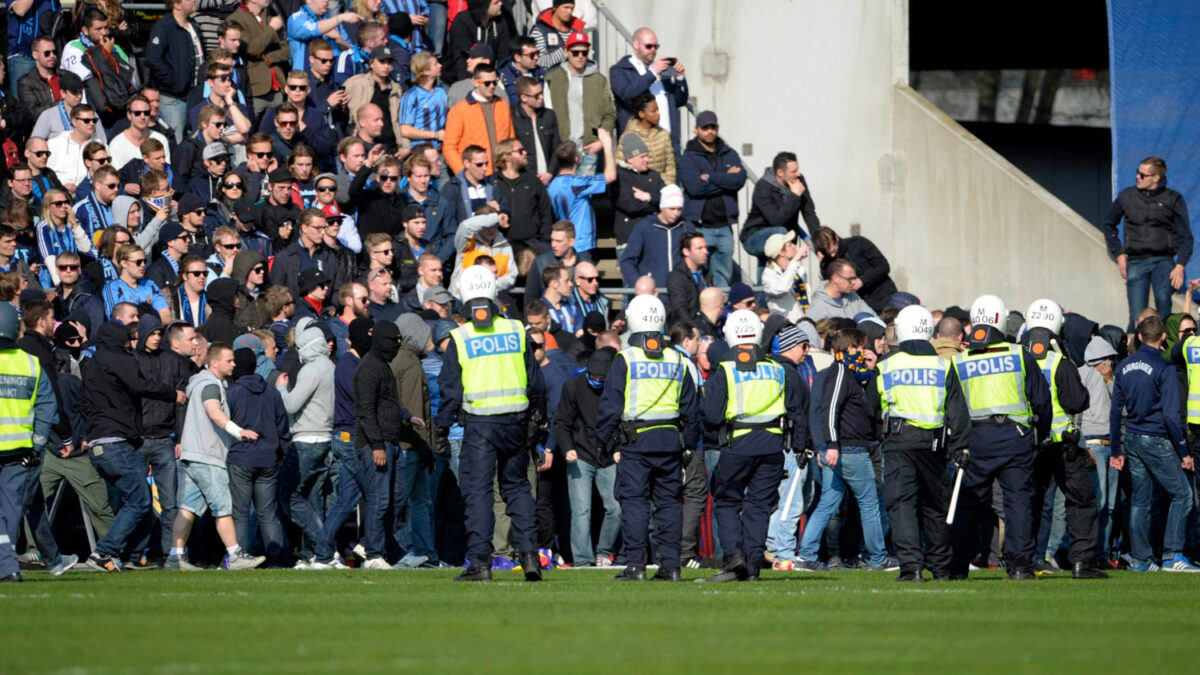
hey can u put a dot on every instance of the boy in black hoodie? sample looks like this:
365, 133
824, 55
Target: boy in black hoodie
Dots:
220, 326
254, 465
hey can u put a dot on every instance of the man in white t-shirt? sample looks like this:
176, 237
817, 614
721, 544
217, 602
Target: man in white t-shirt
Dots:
126, 146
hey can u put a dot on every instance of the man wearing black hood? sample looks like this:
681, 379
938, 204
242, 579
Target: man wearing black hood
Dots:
914, 443
164, 356
250, 272
377, 429
253, 465
111, 404
484, 22
222, 296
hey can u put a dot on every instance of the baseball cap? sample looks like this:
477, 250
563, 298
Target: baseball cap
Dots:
901, 299
776, 242
245, 211
578, 38
810, 334
280, 175
439, 295
382, 53
480, 50
215, 150
442, 329
411, 211
310, 279
707, 118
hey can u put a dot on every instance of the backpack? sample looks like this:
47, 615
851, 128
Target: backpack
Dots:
111, 85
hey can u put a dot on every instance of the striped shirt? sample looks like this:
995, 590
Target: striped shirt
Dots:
425, 111
117, 291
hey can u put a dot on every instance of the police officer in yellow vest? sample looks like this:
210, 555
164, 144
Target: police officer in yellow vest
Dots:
1061, 456
921, 423
649, 412
492, 385
27, 411
755, 401
1010, 405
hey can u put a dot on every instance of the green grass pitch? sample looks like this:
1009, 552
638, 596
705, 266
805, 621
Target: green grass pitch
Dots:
577, 621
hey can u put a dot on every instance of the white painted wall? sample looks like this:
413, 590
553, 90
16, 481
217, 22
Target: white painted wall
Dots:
826, 80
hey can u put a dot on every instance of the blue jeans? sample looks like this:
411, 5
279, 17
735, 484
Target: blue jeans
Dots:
711, 457
781, 535
418, 475
436, 30
379, 519
1144, 275
1151, 459
455, 448
33, 505
13, 481
1104, 480
159, 453
854, 468
257, 486
350, 489
125, 470
18, 65
581, 476
303, 473
720, 254
173, 111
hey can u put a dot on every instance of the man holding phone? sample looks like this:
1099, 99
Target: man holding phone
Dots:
645, 70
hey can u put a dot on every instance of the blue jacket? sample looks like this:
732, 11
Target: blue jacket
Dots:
255, 405
653, 249
507, 72
343, 392
171, 58
1145, 385
720, 184
626, 83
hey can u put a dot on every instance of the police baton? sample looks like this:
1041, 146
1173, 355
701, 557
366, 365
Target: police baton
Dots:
954, 497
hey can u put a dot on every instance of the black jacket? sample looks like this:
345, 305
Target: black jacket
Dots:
872, 267
36, 345
378, 211
286, 268
467, 31
683, 295
1156, 223
171, 58
532, 213
629, 208
575, 421
378, 413
113, 388
772, 205
543, 131
844, 415
220, 326
163, 418
906, 437
35, 94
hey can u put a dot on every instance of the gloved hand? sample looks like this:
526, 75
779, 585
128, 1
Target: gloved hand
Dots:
961, 458
32, 459
688, 454
442, 447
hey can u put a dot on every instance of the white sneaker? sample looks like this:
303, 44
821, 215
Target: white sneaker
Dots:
360, 551
242, 561
302, 564
318, 565
66, 563
377, 564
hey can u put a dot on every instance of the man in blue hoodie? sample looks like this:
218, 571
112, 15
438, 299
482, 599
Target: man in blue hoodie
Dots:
253, 465
653, 246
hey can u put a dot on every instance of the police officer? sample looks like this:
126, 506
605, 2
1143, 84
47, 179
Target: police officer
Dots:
919, 420
1060, 456
649, 411
757, 401
492, 384
27, 411
1009, 405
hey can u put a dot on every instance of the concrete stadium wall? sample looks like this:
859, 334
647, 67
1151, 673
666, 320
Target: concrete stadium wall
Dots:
828, 81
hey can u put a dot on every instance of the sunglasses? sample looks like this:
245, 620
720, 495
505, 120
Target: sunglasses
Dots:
487, 83
386, 252
86, 120
221, 78
230, 247
588, 279
578, 52
48, 52
111, 186
258, 270
233, 186
61, 202
650, 45
139, 113
321, 60
220, 159
68, 268
327, 188
388, 177
285, 123
102, 160
297, 87
196, 273
140, 262
219, 125
261, 155
41, 153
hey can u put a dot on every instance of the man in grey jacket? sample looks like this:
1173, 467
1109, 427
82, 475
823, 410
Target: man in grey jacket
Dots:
838, 298
310, 405
207, 431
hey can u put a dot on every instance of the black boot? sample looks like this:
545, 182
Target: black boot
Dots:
1022, 575
631, 573
1088, 571
911, 575
476, 572
531, 565
15, 576
735, 570
667, 574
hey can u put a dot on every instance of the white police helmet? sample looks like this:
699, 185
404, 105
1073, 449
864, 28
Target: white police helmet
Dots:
645, 314
1044, 313
989, 310
743, 327
914, 323
476, 282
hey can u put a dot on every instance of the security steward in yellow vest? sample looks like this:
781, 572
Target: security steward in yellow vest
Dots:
27, 411
492, 385
1010, 405
1186, 355
649, 412
1061, 456
921, 422
761, 406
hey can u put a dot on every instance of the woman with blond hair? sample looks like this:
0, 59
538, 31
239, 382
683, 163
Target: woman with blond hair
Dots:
58, 231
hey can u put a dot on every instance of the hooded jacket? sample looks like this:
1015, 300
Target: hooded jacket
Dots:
158, 417
630, 209
202, 440
378, 211
822, 305
773, 205
551, 42
220, 325
38, 346
254, 405
113, 388
598, 107
653, 249
252, 314
872, 267
468, 30
264, 367
710, 202
310, 402
376, 401
411, 384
